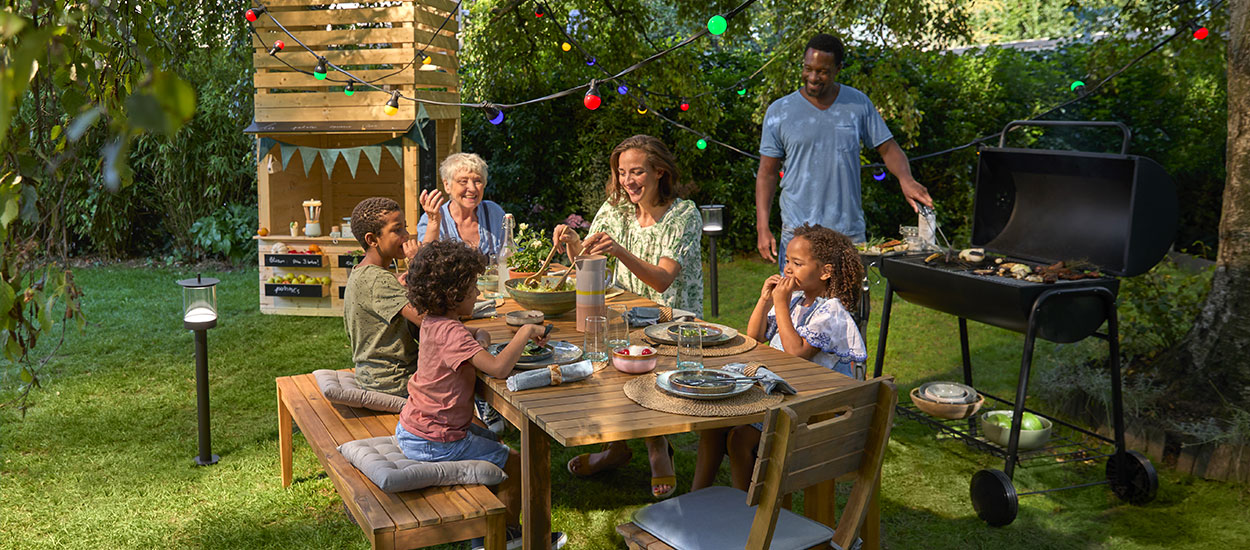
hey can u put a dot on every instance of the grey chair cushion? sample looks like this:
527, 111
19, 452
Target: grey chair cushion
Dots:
717, 518
341, 387
380, 459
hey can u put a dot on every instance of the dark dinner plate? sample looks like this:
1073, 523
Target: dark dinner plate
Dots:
542, 355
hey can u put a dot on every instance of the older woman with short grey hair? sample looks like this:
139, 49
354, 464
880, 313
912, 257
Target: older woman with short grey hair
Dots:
462, 214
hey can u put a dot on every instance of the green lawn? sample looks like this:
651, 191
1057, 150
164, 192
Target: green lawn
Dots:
103, 458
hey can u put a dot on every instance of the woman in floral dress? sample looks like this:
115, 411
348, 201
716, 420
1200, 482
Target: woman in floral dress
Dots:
656, 237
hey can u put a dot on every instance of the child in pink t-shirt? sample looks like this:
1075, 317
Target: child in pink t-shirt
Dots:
434, 425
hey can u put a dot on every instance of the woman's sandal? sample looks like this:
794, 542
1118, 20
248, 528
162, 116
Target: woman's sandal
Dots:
583, 464
671, 481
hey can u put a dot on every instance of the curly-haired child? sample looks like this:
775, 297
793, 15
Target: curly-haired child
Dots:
435, 424
804, 314
376, 311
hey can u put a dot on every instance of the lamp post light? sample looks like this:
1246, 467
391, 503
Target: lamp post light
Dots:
713, 225
199, 313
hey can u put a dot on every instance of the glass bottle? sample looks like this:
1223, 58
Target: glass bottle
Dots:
505, 252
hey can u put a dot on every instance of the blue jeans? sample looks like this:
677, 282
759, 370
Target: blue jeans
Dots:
473, 446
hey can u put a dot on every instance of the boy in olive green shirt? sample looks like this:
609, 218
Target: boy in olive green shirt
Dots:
375, 304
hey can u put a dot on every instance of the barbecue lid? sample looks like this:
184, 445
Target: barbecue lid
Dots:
1116, 211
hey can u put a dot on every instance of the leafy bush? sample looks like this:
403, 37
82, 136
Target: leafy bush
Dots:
227, 232
1158, 308
533, 245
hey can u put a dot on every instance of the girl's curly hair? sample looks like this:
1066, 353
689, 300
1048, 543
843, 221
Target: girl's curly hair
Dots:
837, 250
441, 275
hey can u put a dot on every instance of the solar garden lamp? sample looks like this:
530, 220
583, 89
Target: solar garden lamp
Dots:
199, 313
713, 226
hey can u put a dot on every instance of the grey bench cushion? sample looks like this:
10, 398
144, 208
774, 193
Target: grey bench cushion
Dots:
341, 387
380, 459
717, 518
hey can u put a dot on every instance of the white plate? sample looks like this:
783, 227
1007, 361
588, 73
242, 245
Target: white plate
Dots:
661, 381
561, 353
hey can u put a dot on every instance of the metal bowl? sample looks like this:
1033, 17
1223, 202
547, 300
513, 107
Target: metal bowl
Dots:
1029, 439
550, 303
702, 381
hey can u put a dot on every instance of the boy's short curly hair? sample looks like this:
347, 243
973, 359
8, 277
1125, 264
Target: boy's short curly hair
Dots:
367, 217
441, 275
833, 248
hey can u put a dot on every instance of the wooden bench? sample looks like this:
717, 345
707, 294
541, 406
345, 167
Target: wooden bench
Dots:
412, 519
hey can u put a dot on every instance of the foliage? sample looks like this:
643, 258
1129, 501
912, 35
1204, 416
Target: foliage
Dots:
1158, 308
533, 245
227, 232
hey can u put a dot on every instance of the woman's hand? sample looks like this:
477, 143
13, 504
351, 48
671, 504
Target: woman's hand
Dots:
784, 288
601, 243
432, 201
766, 291
563, 236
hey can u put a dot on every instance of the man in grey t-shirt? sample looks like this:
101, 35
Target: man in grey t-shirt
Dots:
813, 136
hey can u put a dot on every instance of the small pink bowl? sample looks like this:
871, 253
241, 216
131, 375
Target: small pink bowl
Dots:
634, 364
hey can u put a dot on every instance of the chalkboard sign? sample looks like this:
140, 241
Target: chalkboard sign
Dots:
293, 260
349, 260
289, 290
342, 292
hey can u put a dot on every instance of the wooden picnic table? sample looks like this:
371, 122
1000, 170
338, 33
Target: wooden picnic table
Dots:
596, 410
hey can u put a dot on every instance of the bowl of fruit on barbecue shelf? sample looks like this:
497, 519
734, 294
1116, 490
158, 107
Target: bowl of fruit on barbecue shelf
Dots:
1034, 429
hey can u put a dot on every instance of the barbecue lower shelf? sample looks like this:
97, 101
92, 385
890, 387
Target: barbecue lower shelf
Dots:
1067, 443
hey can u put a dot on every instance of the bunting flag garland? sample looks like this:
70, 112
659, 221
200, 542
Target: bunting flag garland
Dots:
330, 155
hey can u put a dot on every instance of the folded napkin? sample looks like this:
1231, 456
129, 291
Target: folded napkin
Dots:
771, 381
643, 316
538, 378
483, 309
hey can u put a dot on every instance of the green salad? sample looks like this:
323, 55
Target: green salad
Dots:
547, 286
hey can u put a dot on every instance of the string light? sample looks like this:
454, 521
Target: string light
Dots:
427, 60
539, 11
879, 175
642, 109
1201, 33
717, 25
566, 46
320, 71
592, 100
253, 14
277, 47
622, 89
1077, 86
701, 144
685, 105
392, 105
494, 115
350, 89
742, 91
590, 61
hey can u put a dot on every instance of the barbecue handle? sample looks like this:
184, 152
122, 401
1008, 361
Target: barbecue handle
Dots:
1128, 134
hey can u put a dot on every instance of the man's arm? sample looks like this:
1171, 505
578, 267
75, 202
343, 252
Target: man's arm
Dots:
766, 180
896, 162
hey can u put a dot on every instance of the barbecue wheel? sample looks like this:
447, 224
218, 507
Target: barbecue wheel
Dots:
994, 497
1132, 477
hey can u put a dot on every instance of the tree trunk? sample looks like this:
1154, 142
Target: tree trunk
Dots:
1214, 358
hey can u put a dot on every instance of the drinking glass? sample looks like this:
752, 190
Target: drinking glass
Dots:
689, 346
596, 343
618, 327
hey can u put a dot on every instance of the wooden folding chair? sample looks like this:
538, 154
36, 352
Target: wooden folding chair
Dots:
828, 436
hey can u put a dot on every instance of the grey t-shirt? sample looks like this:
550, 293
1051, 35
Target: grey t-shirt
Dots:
820, 157
383, 349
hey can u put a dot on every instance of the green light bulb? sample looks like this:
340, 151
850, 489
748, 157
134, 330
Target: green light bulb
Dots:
742, 91
1076, 84
717, 25
701, 144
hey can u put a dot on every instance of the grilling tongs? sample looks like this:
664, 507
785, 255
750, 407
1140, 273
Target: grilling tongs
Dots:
949, 251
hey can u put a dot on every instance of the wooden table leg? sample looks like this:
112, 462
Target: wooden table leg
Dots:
535, 487
284, 440
820, 504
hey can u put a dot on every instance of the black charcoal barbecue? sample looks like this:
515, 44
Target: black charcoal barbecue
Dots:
1116, 212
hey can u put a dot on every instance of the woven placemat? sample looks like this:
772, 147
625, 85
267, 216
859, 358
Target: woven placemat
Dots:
739, 344
643, 391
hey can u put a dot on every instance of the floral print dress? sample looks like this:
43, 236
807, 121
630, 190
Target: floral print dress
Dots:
677, 235
828, 327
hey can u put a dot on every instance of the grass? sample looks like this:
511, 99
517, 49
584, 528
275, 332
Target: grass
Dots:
103, 459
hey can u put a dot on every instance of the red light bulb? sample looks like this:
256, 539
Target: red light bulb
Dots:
592, 100
251, 15
1201, 33
685, 106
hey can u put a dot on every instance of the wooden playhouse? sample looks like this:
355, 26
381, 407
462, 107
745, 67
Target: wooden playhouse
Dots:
316, 143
